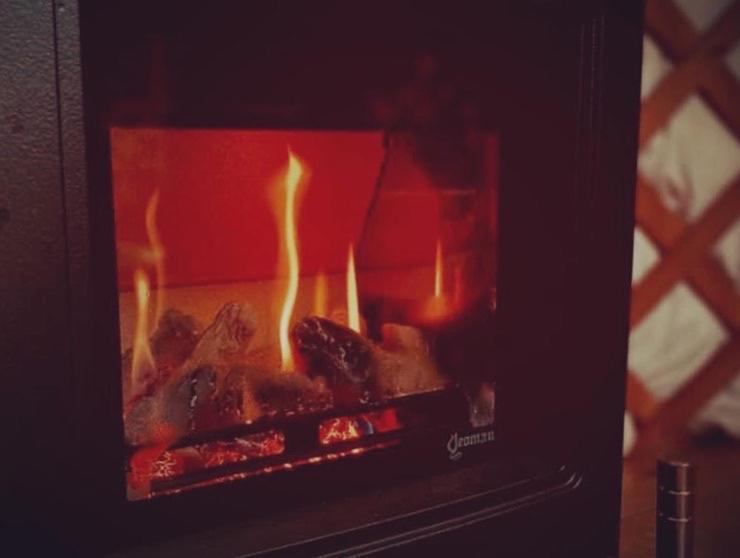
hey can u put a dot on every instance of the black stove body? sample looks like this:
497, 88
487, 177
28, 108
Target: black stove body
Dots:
558, 85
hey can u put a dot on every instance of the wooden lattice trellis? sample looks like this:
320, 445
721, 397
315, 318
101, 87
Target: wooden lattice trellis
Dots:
699, 67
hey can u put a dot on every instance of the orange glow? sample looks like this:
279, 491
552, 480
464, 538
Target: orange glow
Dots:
142, 360
321, 296
289, 235
342, 429
156, 251
353, 309
438, 270
338, 429
314, 460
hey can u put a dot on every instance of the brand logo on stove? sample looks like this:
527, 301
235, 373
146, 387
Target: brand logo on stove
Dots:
456, 442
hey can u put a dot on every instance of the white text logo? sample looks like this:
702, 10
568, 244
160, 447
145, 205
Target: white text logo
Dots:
457, 442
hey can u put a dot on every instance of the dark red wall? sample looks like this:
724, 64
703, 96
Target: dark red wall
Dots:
215, 217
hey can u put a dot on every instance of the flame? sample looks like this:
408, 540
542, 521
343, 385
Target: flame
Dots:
156, 250
143, 360
321, 295
440, 306
438, 270
339, 429
342, 429
353, 310
289, 234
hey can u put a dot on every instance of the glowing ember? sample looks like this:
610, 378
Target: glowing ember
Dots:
353, 310
142, 361
144, 463
385, 420
314, 460
240, 449
158, 464
342, 429
289, 235
169, 465
321, 296
338, 429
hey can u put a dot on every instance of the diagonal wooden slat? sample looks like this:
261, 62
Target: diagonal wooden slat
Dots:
690, 73
691, 246
699, 390
641, 403
721, 91
670, 28
706, 276
712, 284
663, 226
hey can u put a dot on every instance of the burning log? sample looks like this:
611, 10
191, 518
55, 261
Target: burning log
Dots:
172, 342
256, 391
189, 403
226, 340
235, 398
404, 365
177, 407
356, 368
189, 397
175, 338
139, 428
214, 387
342, 356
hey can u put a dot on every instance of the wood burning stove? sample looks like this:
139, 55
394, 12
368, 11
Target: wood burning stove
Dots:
320, 279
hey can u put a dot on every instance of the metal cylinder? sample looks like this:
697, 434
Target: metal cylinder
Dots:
674, 521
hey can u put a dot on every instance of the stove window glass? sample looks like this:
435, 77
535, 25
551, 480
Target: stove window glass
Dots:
276, 283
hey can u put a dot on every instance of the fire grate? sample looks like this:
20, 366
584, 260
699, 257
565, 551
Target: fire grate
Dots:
290, 440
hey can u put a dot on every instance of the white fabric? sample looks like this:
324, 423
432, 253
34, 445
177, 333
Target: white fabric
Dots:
703, 13
723, 410
644, 256
630, 435
692, 159
674, 341
727, 251
655, 66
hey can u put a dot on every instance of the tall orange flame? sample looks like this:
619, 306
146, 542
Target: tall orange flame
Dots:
142, 359
156, 250
438, 270
353, 310
321, 295
441, 306
289, 234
